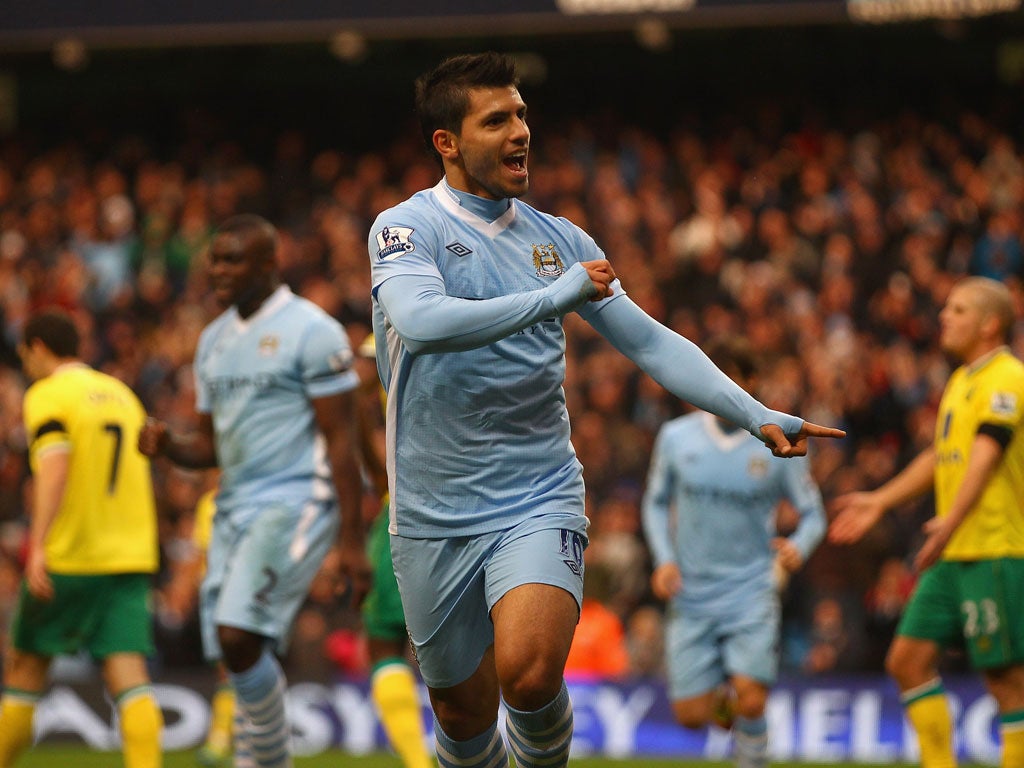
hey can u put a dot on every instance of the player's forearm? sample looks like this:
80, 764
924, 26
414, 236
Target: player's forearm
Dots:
681, 367
50, 482
349, 490
915, 480
654, 518
810, 530
428, 320
193, 450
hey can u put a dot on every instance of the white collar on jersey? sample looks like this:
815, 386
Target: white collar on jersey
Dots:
281, 295
724, 441
450, 202
74, 364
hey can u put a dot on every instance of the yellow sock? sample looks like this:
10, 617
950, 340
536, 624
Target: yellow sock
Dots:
928, 711
16, 710
141, 723
222, 718
1012, 728
393, 687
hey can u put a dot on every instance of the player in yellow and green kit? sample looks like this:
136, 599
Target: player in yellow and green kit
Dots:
216, 749
92, 543
972, 586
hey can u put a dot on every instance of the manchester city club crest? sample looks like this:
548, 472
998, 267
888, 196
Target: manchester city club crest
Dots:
269, 344
546, 261
758, 466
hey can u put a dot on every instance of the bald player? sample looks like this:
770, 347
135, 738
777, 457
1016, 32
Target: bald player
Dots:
972, 561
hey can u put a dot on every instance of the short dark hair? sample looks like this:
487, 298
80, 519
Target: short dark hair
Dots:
261, 231
442, 94
56, 330
734, 355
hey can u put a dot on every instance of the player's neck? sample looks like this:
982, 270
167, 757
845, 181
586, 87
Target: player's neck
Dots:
981, 354
251, 303
486, 208
54, 364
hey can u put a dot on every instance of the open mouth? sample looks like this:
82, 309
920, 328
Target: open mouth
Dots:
516, 163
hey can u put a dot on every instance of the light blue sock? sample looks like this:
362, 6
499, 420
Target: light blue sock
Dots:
541, 739
751, 737
240, 738
484, 751
259, 691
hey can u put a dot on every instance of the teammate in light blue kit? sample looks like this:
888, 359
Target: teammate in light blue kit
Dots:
469, 290
709, 518
275, 392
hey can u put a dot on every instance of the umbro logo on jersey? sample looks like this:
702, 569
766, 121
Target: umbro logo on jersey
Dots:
458, 249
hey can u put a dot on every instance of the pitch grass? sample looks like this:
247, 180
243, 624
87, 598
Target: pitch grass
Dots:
47, 756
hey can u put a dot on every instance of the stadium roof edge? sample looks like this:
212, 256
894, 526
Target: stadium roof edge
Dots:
733, 14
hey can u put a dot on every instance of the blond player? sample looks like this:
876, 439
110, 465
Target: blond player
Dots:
972, 584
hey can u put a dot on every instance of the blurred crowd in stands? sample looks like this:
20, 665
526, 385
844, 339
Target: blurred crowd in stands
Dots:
831, 245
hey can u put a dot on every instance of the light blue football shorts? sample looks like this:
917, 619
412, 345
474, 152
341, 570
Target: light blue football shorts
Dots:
258, 576
449, 586
704, 648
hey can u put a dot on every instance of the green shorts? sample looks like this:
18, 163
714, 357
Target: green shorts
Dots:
974, 605
383, 617
103, 614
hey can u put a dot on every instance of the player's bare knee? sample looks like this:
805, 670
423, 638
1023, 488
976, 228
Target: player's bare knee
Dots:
907, 670
241, 649
461, 723
532, 686
691, 713
750, 702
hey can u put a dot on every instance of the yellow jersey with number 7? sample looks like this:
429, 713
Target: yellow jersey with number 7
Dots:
107, 517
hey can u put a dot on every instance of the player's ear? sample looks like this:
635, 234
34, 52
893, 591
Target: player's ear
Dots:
446, 143
991, 325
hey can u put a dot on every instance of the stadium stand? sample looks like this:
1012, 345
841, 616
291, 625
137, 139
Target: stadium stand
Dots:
815, 200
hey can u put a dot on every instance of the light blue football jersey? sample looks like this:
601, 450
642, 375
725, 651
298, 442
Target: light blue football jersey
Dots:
710, 507
468, 300
478, 440
257, 377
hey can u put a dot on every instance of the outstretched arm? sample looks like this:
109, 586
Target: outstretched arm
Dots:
858, 512
682, 368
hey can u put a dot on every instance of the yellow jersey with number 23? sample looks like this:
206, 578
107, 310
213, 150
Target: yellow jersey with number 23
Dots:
987, 396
